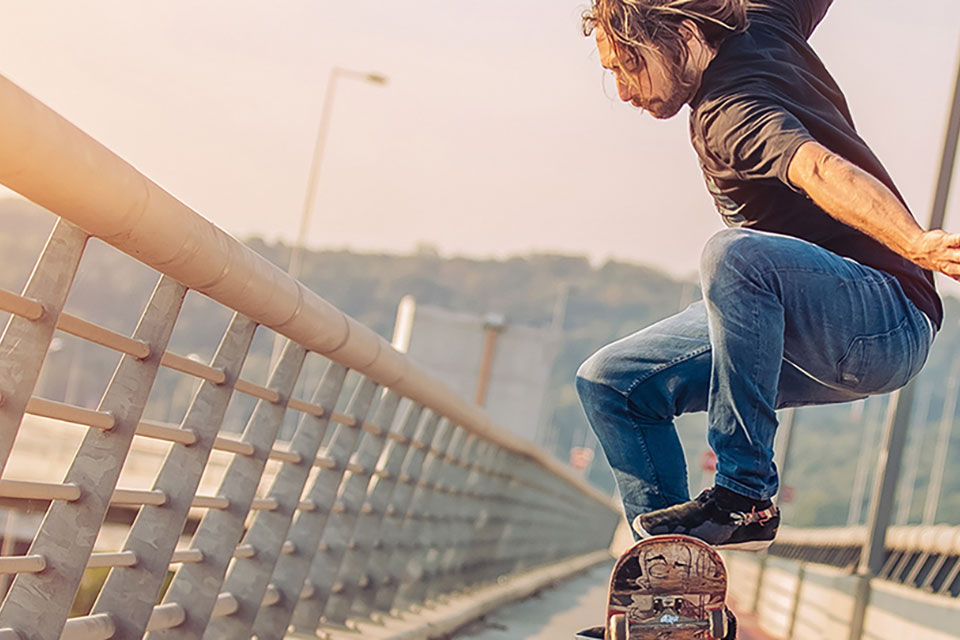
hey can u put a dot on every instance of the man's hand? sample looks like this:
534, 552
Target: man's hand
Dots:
859, 200
938, 250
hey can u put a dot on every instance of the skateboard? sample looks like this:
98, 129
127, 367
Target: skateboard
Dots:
668, 587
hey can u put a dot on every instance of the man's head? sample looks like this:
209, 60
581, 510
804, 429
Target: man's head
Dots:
658, 49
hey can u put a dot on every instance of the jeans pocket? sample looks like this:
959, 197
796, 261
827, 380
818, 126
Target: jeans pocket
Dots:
878, 363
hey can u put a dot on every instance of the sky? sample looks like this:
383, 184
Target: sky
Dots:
497, 133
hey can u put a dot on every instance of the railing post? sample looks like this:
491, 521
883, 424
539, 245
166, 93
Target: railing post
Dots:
392, 555
518, 509
458, 515
131, 592
437, 514
290, 571
495, 510
366, 561
338, 534
786, 432
249, 578
470, 514
909, 481
881, 501
795, 605
38, 603
195, 587
480, 485
944, 433
25, 342
416, 531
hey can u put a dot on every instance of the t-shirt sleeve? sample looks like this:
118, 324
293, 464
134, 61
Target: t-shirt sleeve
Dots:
804, 15
754, 137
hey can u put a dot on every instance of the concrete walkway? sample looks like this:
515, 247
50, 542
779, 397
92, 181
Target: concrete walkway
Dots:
558, 613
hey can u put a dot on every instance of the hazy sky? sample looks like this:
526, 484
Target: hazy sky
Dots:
497, 133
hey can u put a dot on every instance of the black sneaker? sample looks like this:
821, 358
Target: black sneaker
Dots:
717, 516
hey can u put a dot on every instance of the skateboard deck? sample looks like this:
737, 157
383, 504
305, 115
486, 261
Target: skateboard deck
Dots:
669, 587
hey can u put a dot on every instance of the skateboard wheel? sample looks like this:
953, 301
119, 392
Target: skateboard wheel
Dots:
731, 626
618, 627
719, 627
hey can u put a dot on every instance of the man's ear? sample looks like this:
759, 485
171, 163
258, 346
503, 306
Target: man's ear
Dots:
690, 31
693, 37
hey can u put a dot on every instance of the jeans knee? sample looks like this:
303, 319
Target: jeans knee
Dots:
597, 381
731, 255
647, 400
596, 368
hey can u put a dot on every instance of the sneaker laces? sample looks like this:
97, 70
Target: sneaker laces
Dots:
753, 516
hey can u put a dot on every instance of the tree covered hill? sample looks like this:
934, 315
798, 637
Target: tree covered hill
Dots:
603, 303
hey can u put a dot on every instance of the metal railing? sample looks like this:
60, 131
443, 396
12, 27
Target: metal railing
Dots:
809, 584
407, 494
923, 557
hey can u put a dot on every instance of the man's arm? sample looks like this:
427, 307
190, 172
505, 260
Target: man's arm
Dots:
859, 200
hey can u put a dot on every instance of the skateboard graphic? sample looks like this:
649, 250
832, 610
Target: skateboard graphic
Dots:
668, 587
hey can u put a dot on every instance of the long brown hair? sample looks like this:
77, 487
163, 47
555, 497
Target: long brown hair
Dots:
637, 27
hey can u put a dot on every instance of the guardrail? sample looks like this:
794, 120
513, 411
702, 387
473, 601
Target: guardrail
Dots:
809, 584
924, 557
413, 493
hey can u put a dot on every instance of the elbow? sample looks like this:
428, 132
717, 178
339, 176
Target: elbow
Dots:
814, 168
829, 168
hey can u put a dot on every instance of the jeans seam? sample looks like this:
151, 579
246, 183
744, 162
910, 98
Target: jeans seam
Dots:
663, 367
646, 452
756, 373
885, 278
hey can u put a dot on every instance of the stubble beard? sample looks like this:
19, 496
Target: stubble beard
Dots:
681, 93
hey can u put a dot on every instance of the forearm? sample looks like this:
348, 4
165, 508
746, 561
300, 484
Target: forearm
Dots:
857, 199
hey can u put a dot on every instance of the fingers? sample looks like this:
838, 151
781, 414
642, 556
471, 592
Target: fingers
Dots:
952, 270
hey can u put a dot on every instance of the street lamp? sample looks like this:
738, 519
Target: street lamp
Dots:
335, 74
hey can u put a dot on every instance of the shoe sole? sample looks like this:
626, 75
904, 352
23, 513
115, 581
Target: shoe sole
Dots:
752, 545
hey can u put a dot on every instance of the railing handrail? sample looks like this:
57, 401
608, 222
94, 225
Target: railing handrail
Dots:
939, 538
50, 161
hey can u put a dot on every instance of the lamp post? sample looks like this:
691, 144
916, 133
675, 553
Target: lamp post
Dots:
296, 255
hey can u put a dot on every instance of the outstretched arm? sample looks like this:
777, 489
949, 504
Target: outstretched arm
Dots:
859, 200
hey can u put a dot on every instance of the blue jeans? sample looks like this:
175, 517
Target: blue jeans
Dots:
783, 323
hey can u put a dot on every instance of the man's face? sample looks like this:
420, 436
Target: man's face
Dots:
645, 84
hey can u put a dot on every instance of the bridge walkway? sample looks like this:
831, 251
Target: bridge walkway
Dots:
557, 613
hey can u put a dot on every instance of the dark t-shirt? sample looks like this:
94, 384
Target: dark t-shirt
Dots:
765, 94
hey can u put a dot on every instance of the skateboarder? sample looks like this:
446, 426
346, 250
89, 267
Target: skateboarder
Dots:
820, 291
